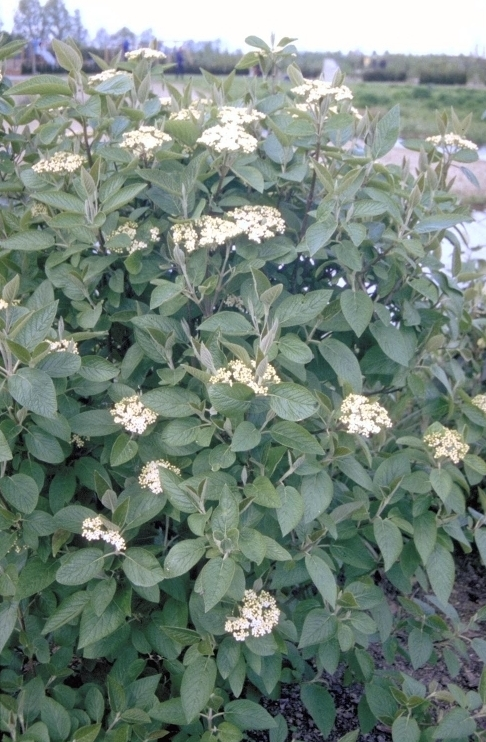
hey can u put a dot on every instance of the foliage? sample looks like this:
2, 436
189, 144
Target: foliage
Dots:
173, 434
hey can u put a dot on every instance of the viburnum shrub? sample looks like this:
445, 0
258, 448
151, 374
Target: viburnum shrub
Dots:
242, 410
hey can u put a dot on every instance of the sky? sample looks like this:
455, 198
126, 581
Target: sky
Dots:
410, 27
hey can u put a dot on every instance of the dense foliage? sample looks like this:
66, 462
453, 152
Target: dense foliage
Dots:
241, 408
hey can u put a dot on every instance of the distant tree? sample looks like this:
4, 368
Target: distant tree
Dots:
59, 24
29, 23
124, 34
78, 31
102, 40
146, 37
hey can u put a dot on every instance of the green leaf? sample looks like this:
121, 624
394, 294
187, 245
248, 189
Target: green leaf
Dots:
457, 721
389, 540
437, 222
296, 438
68, 609
142, 568
171, 402
343, 362
298, 310
425, 534
440, 571
94, 423
95, 368
80, 566
5, 451
21, 491
357, 308
319, 234
123, 197
116, 85
442, 483
319, 626
93, 628
230, 400
227, 323
183, 556
197, 686
386, 133
56, 719
35, 326
250, 175
216, 577
60, 364
291, 401
87, 733
393, 342
317, 492
8, 619
262, 491
41, 85
294, 349
420, 647
35, 577
43, 446
29, 241
34, 390
322, 577
245, 437
405, 729
320, 705
124, 449
248, 715
69, 58
62, 201
290, 512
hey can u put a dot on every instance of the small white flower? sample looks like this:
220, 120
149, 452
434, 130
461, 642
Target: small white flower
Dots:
145, 140
447, 444
361, 416
237, 371
258, 616
61, 163
133, 415
145, 53
95, 530
228, 138
480, 401
61, 345
451, 142
149, 476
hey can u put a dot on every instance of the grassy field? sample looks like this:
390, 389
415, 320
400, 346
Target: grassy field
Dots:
418, 103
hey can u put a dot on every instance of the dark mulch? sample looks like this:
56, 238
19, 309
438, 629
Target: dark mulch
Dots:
468, 596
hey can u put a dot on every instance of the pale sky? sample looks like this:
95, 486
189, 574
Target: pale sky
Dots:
410, 27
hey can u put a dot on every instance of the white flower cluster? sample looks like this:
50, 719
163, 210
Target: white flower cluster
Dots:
130, 229
238, 371
105, 75
258, 222
145, 140
314, 90
61, 345
145, 52
361, 416
3, 304
94, 529
447, 444
480, 401
132, 414
149, 476
235, 116
154, 234
165, 101
228, 138
258, 616
60, 163
452, 142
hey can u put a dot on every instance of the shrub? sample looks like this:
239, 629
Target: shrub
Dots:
384, 75
240, 411
442, 77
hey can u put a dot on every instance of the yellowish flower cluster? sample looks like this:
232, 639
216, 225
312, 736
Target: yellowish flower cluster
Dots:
186, 235
61, 163
130, 229
258, 222
94, 529
3, 304
77, 441
314, 90
447, 444
104, 76
452, 142
232, 115
226, 138
165, 101
361, 416
234, 301
258, 616
61, 345
239, 372
133, 415
214, 231
480, 401
39, 210
145, 53
145, 140
149, 476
